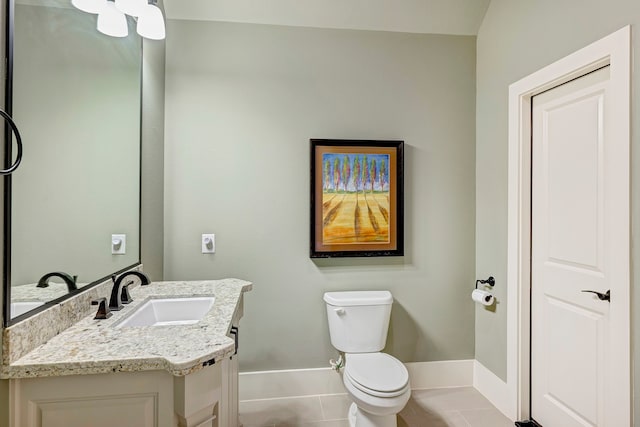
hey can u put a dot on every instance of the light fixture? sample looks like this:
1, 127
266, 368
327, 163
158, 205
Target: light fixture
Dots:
111, 21
89, 6
151, 22
112, 16
131, 7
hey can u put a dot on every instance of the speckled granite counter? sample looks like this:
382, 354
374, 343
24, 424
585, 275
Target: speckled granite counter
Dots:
95, 346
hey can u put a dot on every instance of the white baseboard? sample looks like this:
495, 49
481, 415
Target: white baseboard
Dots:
493, 388
288, 383
446, 373
318, 381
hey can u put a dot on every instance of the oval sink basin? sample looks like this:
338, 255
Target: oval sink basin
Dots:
21, 307
169, 311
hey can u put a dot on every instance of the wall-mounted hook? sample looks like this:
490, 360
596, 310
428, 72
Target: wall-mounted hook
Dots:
490, 281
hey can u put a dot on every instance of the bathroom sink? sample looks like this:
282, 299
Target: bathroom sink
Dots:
169, 311
21, 307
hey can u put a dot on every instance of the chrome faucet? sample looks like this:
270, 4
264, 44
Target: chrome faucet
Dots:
70, 281
115, 302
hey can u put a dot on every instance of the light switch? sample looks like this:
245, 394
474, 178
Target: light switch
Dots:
118, 244
208, 243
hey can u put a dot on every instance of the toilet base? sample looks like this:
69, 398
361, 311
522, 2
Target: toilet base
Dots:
358, 418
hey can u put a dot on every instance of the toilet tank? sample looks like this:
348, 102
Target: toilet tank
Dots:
358, 320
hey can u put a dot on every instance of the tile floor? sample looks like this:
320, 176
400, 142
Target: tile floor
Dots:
444, 407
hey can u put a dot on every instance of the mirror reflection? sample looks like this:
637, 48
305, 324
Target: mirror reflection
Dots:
75, 198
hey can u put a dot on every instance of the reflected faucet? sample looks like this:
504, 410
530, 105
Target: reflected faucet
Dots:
70, 281
115, 302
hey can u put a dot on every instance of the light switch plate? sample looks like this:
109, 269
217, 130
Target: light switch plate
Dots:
118, 244
208, 243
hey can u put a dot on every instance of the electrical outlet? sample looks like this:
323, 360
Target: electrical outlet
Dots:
208, 243
118, 244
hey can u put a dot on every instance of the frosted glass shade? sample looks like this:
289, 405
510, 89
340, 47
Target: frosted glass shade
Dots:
112, 22
151, 23
89, 6
131, 7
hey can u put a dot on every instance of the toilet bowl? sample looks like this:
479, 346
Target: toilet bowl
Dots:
378, 385
376, 382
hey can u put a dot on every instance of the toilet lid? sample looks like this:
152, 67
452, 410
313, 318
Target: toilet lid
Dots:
376, 371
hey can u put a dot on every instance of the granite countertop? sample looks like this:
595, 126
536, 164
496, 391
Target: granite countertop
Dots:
95, 346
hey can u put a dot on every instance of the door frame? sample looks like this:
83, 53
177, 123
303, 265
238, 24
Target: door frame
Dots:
613, 50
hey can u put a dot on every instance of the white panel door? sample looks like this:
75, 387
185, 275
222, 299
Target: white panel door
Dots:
576, 239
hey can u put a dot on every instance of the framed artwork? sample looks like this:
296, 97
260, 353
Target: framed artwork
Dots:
356, 198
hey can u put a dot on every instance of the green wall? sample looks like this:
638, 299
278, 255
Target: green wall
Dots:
517, 38
242, 101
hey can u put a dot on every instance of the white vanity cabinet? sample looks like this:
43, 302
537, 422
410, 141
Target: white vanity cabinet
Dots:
94, 374
124, 399
141, 399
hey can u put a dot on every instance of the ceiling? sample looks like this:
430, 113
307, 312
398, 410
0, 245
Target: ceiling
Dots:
461, 17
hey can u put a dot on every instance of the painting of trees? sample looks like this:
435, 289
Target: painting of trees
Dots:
347, 216
356, 197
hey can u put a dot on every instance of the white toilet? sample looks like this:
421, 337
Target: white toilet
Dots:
377, 383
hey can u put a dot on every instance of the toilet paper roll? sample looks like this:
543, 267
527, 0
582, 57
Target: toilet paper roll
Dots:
482, 297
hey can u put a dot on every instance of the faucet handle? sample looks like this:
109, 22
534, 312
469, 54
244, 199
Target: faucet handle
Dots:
125, 297
103, 310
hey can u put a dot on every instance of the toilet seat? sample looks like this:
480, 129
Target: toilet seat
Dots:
377, 374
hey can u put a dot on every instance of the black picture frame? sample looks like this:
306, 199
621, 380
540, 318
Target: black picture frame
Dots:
357, 198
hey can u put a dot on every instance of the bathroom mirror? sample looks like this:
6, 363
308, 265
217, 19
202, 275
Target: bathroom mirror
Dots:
75, 96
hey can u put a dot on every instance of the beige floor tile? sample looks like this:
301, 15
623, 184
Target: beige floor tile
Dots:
416, 421
335, 406
455, 419
267, 412
330, 423
408, 408
447, 407
486, 418
425, 418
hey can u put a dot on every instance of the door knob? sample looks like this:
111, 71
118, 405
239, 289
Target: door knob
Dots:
602, 297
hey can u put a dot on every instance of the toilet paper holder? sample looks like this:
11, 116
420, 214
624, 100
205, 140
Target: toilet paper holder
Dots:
490, 281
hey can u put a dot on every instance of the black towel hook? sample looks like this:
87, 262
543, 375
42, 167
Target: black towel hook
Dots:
14, 128
490, 281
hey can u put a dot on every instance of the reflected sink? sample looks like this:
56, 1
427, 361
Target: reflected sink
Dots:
169, 311
21, 307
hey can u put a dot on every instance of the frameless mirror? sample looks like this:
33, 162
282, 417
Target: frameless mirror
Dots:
76, 99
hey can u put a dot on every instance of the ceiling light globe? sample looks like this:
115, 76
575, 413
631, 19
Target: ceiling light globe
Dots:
112, 22
89, 6
151, 23
131, 7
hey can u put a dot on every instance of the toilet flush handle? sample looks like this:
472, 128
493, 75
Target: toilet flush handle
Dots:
339, 311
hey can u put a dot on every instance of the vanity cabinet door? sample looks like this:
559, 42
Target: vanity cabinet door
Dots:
103, 411
138, 399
